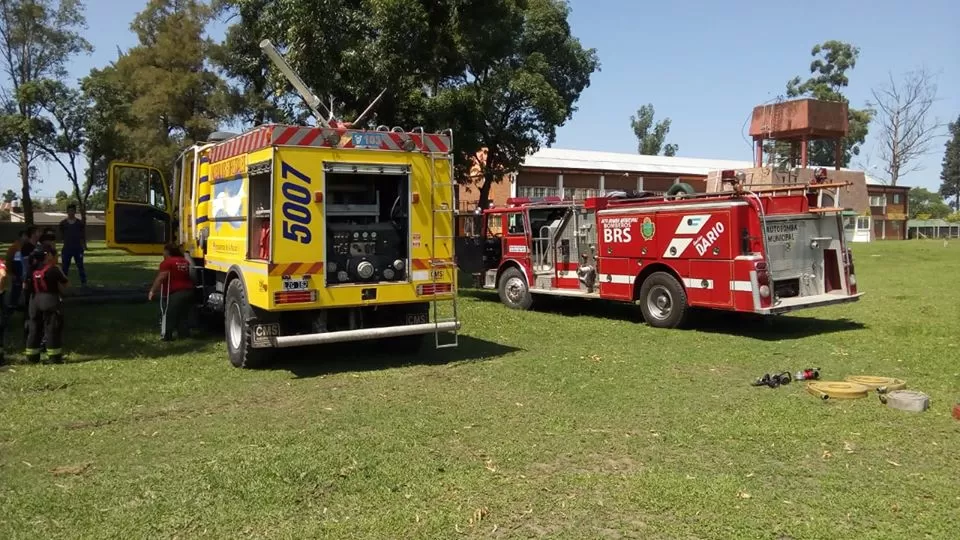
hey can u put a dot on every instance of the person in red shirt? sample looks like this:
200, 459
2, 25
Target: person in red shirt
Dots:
175, 285
47, 283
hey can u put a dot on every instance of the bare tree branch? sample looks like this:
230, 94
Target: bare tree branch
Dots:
906, 127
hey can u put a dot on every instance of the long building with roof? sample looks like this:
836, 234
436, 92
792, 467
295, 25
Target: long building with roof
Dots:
579, 174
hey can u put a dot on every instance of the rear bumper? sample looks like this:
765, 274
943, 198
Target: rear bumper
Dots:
807, 302
364, 334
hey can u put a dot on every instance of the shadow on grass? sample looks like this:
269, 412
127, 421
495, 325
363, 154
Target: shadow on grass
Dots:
113, 332
372, 356
776, 328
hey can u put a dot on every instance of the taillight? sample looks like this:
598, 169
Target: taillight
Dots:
295, 297
431, 289
763, 278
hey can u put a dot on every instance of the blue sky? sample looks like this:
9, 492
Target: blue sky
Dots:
705, 64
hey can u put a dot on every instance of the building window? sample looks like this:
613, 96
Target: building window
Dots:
896, 198
878, 201
863, 223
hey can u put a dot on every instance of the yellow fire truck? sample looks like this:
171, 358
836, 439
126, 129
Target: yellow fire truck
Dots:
305, 235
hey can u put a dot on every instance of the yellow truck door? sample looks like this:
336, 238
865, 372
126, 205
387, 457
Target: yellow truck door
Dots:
138, 217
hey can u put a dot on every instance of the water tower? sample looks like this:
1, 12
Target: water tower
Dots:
798, 122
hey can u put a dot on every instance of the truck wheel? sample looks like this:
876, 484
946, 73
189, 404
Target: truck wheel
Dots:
514, 292
239, 319
663, 301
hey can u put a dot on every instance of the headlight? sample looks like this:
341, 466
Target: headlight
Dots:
398, 265
388, 273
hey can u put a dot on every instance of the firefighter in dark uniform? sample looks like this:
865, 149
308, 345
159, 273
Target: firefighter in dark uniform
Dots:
46, 309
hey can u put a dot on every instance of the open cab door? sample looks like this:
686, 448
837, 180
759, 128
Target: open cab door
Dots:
138, 218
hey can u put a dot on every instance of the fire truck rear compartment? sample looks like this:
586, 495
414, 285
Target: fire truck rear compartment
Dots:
368, 226
804, 257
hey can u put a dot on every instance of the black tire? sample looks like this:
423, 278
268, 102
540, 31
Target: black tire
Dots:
514, 290
239, 316
663, 301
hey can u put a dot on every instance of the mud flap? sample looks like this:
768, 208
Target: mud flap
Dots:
264, 335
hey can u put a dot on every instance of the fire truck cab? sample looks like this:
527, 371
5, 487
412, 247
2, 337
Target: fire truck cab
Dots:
766, 251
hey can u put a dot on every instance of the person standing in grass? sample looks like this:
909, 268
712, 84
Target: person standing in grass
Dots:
26, 249
46, 308
73, 233
14, 265
174, 282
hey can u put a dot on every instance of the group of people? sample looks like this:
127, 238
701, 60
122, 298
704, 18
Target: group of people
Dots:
37, 284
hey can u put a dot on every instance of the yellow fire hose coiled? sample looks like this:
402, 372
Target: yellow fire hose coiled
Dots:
889, 384
837, 390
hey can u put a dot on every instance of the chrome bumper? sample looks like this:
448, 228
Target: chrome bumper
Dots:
793, 304
364, 334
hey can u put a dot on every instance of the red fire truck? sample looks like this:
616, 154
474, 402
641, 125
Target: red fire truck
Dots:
759, 250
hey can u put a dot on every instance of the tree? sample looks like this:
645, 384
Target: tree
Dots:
62, 199
906, 128
37, 38
9, 196
106, 135
521, 82
254, 99
69, 110
926, 203
651, 142
828, 78
950, 173
176, 99
503, 74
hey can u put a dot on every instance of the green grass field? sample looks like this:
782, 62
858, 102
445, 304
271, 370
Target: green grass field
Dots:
571, 421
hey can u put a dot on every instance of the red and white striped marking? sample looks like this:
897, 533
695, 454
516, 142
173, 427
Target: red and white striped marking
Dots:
280, 135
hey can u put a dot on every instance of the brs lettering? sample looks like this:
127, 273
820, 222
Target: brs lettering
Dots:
295, 208
617, 235
704, 242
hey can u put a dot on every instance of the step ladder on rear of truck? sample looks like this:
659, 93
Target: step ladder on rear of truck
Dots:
443, 229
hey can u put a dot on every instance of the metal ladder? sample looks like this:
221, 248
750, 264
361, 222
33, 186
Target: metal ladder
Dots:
440, 265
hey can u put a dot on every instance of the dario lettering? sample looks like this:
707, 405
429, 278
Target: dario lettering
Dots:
703, 243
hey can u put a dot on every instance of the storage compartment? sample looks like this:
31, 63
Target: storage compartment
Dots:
258, 239
831, 271
367, 223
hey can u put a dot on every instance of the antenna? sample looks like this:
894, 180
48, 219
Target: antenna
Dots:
369, 108
308, 96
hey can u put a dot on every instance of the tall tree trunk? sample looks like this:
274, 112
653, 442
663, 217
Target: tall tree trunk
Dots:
25, 181
484, 195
